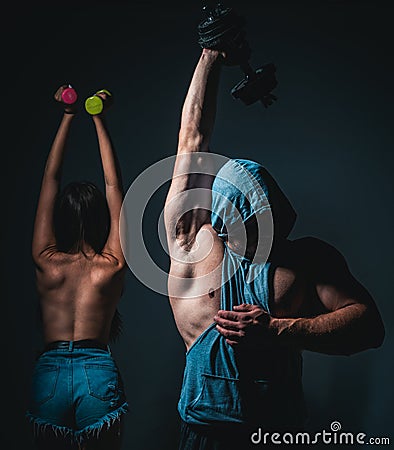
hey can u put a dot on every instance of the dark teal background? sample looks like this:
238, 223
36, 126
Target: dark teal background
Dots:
327, 141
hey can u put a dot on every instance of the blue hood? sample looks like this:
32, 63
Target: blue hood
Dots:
243, 188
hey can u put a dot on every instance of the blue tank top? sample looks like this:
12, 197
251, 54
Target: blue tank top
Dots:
221, 385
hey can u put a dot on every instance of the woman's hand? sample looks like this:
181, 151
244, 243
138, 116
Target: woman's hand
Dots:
107, 99
68, 108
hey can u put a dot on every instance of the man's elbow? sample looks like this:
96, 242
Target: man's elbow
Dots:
368, 332
378, 334
374, 328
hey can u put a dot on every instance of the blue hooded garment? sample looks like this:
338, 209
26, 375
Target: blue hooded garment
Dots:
220, 385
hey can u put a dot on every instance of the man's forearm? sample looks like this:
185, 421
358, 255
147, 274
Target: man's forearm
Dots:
185, 217
342, 332
199, 109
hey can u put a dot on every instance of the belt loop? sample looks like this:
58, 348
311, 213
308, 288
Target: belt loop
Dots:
109, 350
70, 346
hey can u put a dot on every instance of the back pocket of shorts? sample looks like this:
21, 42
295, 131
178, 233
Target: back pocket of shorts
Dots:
102, 381
44, 382
218, 400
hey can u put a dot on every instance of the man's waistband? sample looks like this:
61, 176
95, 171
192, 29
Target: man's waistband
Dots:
71, 345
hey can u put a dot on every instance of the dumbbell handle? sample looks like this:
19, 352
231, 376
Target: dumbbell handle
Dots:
247, 70
250, 75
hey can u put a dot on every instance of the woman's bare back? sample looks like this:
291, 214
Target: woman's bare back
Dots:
79, 295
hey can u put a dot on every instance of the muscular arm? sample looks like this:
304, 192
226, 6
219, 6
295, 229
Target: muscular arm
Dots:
353, 324
43, 234
198, 115
113, 187
349, 324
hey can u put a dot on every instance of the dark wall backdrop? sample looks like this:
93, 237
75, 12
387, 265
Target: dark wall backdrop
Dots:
327, 141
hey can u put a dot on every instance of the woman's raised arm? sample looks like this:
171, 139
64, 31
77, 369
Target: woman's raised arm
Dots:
113, 182
44, 242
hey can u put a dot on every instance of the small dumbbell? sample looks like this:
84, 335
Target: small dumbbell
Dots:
95, 104
69, 95
222, 29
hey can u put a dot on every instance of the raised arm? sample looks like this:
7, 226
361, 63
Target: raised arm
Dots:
113, 185
44, 243
197, 121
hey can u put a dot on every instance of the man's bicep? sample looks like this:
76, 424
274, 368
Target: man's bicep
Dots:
189, 198
333, 298
329, 276
335, 285
187, 209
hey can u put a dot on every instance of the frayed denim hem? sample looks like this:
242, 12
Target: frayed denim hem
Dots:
41, 426
105, 423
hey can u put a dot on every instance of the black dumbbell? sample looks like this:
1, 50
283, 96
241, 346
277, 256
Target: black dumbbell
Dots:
223, 29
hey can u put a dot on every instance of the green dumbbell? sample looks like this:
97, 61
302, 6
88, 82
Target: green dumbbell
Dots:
95, 104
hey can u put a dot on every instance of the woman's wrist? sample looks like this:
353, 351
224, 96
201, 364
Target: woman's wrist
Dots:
68, 115
98, 117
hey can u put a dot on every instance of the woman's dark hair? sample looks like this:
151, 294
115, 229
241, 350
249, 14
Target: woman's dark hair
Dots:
81, 215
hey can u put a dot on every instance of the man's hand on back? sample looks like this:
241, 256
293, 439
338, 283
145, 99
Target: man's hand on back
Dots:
246, 324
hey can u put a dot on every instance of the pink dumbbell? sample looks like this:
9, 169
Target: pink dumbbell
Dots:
69, 95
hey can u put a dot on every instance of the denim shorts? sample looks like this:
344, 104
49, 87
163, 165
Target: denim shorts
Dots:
76, 393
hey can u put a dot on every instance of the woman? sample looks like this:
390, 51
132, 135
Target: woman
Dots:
77, 398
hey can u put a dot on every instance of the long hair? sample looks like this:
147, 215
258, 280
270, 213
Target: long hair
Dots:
81, 215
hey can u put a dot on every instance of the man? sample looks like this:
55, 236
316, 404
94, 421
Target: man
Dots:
246, 314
